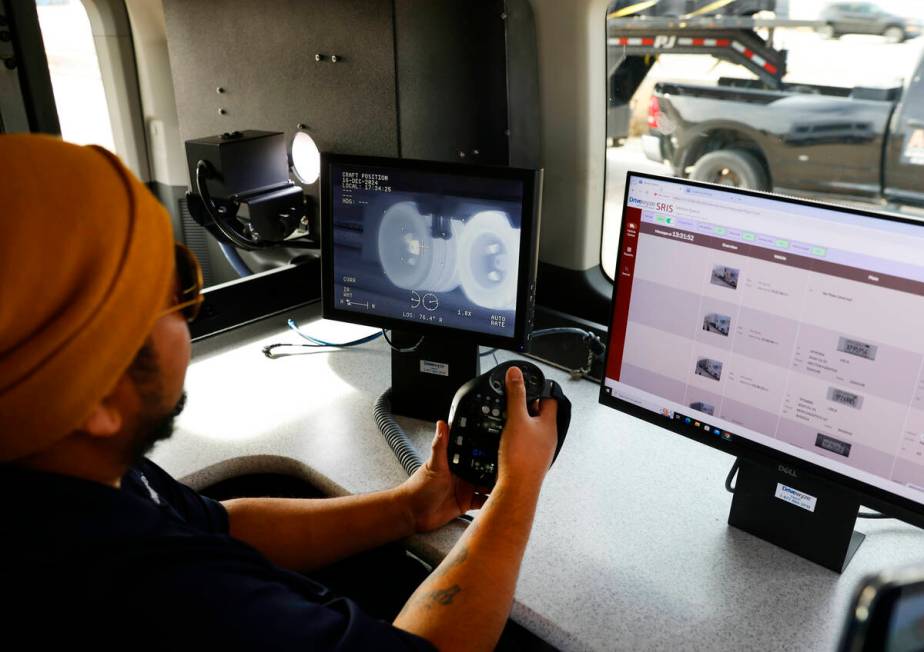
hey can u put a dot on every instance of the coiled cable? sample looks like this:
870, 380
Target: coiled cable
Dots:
394, 434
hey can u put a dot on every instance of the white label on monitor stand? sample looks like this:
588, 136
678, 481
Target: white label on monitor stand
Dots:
796, 498
435, 368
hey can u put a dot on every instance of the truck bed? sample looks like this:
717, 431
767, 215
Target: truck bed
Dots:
755, 92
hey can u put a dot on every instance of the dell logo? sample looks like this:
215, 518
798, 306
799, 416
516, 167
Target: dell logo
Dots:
787, 470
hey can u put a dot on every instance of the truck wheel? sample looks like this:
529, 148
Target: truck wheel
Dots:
827, 31
731, 167
894, 34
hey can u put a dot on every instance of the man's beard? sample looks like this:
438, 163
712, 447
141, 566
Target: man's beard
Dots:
153, 430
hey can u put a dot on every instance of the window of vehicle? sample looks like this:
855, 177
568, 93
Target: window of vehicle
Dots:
824, 130
75, 73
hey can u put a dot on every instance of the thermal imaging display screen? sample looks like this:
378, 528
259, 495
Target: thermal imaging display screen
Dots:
426, 247
788, 324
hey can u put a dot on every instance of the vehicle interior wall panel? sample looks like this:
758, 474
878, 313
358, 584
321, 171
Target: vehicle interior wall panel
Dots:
13, 118
452, 82
166, 155
112, 38
165, 152
262, 55
524, 140
30, 65
572, 64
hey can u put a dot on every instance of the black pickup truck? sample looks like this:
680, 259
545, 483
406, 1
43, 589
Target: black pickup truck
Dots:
802, 139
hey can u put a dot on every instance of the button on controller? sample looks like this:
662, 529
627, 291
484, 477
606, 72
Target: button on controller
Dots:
478, 416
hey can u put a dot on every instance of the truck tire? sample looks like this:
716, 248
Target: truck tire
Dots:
893, 34
731, 167
827, 31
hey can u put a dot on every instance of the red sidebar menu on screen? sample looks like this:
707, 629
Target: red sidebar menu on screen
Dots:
625, 270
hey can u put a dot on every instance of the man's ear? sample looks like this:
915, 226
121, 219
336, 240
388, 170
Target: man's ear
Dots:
104, 421
107, 419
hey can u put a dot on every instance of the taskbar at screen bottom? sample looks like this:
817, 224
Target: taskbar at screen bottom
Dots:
692, 422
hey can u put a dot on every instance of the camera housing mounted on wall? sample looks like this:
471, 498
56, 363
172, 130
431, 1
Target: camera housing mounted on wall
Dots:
240, 189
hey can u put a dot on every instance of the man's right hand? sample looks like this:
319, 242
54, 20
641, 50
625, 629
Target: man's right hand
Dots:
528, 442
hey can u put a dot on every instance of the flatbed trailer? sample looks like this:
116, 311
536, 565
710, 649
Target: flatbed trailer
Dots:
634, 42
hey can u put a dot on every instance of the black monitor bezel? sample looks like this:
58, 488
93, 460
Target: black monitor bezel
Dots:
889, 503
529, 248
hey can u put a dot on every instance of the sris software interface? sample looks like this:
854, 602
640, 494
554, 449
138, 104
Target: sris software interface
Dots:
795, 326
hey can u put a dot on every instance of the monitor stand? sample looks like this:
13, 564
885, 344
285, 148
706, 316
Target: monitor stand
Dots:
424, 381
824, 536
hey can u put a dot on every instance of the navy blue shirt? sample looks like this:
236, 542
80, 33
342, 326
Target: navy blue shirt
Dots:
151, 565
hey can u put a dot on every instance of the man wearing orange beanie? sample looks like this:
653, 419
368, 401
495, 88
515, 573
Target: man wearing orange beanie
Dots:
101, 545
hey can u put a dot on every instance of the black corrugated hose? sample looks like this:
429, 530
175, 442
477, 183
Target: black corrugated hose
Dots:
394, 434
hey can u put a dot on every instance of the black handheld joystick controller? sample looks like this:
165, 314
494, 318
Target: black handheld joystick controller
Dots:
479, 413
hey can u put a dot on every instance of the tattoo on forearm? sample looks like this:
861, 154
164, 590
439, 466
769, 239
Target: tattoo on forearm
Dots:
442, 597
430, 599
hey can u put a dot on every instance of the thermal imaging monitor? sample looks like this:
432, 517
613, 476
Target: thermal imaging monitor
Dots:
438, 252
786, 332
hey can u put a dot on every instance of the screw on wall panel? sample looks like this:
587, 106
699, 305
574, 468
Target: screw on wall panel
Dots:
319, 57
220, 90
222, 112
301, 126
461, 154
503, 16
334, 58
475, 152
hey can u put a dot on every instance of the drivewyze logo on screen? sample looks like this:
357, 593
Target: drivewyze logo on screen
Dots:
644, 203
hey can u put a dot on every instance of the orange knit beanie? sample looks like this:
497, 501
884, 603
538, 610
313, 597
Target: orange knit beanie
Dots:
86, 263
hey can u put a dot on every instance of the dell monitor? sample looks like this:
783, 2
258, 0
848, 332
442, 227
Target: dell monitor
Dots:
443, 255
786, 332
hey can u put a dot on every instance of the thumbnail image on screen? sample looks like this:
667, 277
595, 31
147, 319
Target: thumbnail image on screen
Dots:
426, 247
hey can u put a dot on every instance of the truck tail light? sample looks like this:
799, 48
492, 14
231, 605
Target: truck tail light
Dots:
654, 113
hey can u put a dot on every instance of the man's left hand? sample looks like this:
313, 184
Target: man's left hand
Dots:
433, 494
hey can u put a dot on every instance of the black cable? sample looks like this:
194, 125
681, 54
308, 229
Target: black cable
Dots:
394, 434
593, 341
316, 343
731, 476
595, 346
269, 348
731, 489
394, 348
203, 169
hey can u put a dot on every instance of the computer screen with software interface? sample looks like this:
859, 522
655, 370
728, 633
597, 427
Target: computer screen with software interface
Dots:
795, 326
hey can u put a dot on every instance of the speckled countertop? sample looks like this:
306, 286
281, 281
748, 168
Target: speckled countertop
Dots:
630, 549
